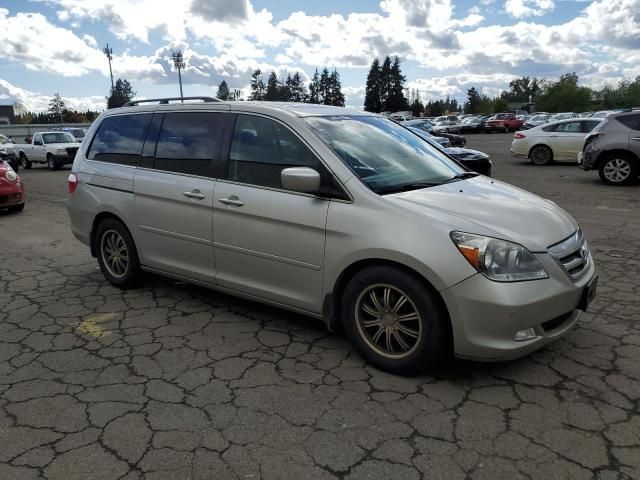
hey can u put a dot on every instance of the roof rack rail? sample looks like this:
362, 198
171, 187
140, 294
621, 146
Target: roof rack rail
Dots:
165, 101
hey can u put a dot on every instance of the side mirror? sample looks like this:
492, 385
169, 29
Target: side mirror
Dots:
300, 179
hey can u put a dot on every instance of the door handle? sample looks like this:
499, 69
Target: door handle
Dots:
635, 138
197, 194
232, 201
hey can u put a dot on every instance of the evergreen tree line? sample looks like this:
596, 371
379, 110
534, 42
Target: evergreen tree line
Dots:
57, 113
325, 88
384, 90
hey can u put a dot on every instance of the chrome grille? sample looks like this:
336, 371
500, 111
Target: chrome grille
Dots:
573, 255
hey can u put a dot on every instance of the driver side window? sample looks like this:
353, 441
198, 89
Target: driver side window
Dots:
261, 148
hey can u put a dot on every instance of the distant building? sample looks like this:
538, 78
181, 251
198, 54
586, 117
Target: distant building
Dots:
7, 116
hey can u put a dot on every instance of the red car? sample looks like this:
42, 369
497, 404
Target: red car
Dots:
503, 122
11, 188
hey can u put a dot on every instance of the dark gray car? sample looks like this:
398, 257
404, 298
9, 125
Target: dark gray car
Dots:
613, 149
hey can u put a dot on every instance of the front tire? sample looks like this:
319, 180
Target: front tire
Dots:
26, 164
394, 321
619, 169
51, 162
541, 155
117, 254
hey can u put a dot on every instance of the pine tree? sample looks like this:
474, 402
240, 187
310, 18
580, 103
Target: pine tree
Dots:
386, 83
473, 101
417, 108
336, 97
57, 107
223, 91
286, 92
297, 90
257, 86
324, 89
314, 89
372, 101
273, 92
121, 93
396, 101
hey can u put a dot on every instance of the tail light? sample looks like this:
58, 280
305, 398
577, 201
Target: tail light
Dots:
73, 182
519, 135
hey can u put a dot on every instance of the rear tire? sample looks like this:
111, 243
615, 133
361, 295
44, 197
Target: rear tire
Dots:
394, 321
117, 254
541, 155
26, 164
618, 169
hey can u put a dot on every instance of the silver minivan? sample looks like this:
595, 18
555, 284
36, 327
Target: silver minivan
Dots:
338, 214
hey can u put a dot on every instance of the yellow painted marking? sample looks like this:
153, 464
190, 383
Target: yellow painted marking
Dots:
91, 325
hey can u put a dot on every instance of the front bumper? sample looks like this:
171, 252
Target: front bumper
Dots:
486, 315
10, 197
64, 159
587, 159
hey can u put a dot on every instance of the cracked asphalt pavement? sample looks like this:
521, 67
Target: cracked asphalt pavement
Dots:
175, 381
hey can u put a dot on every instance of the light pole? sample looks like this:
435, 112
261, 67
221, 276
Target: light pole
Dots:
109, 53
179, 64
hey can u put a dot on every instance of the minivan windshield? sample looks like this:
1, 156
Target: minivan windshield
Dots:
386, 156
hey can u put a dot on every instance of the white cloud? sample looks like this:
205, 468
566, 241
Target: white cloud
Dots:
528, 8
29, 39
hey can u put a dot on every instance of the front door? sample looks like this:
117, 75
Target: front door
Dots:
174, 195
269, 242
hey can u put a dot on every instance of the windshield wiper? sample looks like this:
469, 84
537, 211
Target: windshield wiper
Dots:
407, 187
460, 176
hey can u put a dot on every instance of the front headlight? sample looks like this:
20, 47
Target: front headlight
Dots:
4, 151
497, 259
11, 176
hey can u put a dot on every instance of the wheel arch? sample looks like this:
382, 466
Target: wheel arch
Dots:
607, 154
541, 144
333, 300
102, 216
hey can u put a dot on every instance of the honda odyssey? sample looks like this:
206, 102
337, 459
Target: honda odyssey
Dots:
338, 214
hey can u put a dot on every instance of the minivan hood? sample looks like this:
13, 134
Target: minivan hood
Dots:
489, 207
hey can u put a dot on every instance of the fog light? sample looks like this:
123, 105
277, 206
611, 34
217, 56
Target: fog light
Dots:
526, 334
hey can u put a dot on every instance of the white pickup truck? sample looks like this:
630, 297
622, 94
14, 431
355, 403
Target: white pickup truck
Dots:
53, 148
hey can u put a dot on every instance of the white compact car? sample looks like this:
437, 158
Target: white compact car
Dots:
560, 140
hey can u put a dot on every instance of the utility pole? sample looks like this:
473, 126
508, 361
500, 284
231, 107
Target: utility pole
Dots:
109, 53
179, 64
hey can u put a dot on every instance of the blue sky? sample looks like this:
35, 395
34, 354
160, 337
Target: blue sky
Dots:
446, 46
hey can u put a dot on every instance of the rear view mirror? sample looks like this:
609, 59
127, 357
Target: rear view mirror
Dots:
300, 179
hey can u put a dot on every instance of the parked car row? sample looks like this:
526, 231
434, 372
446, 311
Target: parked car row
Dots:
425, 125
609, 145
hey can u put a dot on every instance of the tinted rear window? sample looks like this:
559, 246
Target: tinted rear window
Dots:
189, 142
119, 139
630, 121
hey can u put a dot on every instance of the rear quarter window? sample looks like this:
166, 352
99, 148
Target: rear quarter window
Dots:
630, 121
119, 139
